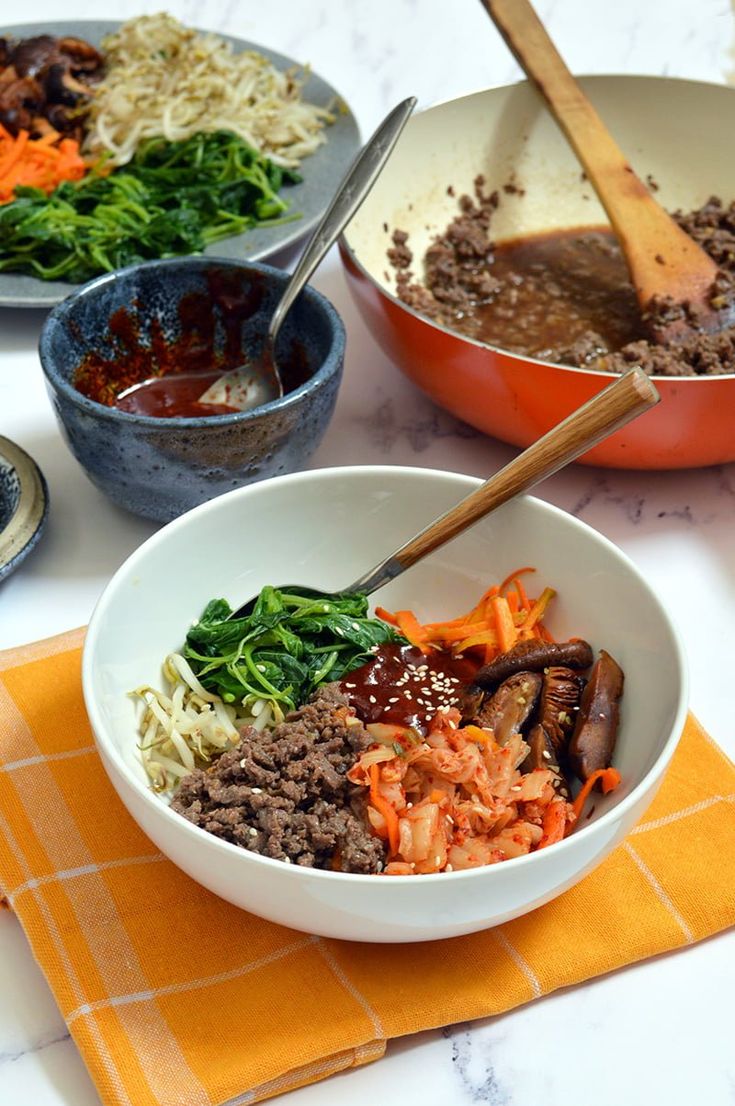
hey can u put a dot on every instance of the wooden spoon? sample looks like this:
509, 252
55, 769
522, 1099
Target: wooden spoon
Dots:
612, 408
662, 260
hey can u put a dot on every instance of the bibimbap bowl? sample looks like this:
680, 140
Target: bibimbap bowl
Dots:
323, 529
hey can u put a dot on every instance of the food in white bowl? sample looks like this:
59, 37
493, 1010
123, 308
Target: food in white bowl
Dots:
305, 529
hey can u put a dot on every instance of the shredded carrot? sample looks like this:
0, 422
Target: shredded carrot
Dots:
553, 824
457, 633
37, 162
497, 621
486, 638
609, 779
504, 622
538, 609
411, 628
512, 577
522, 595
383, 807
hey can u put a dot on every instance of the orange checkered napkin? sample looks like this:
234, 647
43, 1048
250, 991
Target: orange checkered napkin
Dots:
175, 997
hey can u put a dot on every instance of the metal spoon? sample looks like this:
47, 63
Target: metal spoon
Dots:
259, 381
608, 411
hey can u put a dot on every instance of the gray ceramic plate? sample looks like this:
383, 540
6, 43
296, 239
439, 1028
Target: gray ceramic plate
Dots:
321, 171
23, 505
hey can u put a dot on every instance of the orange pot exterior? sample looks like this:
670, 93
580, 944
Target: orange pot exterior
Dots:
517, 400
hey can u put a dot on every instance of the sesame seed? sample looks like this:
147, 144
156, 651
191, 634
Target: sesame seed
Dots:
437, 860
350, 685
252, 831
243, 763
394, 699
287, 860
516, 788
546, 754
256, 790
355, 625
449, 868
373, 699
408, 806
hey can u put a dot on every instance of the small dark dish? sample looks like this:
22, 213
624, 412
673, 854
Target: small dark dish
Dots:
23, 505
215, 311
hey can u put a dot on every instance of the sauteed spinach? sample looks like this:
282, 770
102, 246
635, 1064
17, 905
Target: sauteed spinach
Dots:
173, 198
289, 645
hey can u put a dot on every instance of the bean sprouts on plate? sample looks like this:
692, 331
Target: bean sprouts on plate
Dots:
164, 79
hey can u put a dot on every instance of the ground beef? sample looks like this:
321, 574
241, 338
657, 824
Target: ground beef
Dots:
284, 793
457, 282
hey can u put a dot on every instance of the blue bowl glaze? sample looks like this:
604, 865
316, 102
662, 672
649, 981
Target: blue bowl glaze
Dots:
161, 467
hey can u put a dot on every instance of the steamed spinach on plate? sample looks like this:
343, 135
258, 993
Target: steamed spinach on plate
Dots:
171, 199
287, 647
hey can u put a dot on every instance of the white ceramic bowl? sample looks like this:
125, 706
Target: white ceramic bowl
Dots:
322, 529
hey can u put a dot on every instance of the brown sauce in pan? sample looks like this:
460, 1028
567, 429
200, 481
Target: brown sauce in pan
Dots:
556, 288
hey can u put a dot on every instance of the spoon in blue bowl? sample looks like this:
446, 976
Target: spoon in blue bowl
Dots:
259, 381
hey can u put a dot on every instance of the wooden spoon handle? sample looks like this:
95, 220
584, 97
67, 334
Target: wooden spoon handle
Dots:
606, 412
655, 247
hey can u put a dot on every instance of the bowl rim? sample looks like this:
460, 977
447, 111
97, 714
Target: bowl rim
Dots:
108, 751
347, 249
314, 297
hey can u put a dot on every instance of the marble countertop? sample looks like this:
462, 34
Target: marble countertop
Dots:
659, 1031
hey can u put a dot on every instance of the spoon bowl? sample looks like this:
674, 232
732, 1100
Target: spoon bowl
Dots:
259, 381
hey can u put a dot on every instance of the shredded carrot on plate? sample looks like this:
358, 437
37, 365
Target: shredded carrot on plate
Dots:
37, 162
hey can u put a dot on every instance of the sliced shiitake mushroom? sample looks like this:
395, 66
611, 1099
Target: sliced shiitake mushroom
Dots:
507, 711
596, 728
541, 754
534, 656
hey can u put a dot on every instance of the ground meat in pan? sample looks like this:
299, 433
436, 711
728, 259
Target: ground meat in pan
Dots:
464, 286
283, 793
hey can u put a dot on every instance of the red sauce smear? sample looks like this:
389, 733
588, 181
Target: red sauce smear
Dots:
404, 687
173, 396
146, 372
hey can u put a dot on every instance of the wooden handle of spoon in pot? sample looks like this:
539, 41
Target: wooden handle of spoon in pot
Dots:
662, 259
608, 411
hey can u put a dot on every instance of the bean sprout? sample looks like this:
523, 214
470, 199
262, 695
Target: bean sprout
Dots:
164, 79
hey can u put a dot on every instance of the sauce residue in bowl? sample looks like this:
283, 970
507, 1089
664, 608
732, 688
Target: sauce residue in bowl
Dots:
147, 372
404, 687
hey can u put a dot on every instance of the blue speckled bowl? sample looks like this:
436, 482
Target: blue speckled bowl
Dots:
161, 467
